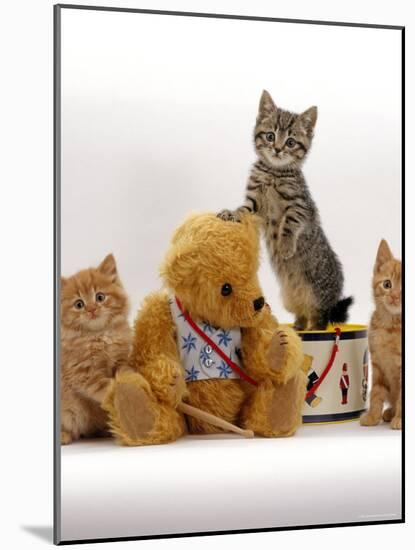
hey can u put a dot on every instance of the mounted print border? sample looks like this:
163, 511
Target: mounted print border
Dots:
58, 11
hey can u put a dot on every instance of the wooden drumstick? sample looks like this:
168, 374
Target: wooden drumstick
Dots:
212, 419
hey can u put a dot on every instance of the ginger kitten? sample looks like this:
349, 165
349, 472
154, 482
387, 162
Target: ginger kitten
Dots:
95, 343
385, 341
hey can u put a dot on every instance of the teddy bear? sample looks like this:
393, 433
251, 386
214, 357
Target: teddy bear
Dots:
209, 339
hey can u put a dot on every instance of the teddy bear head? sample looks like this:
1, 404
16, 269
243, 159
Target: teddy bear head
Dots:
211, 267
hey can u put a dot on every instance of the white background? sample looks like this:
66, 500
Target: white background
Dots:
157, 121
26, 230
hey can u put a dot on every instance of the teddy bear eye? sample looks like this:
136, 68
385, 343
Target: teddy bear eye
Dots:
270, 136
387, 284
226, 289
79, 304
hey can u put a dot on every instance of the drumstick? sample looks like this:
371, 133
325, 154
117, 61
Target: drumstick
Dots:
212, 419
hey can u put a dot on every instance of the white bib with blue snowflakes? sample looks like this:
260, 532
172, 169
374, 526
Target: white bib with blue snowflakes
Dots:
199, 360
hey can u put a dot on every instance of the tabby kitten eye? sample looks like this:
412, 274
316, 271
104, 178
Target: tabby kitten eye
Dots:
290, 143
226, 289
100, 297
387, 284
270, 136
79, 304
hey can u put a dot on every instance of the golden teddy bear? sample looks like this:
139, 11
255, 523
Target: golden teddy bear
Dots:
210, 277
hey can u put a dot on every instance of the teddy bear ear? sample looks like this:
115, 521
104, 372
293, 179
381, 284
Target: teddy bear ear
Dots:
179, 264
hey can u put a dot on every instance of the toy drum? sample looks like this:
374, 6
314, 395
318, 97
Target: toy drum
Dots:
337, 387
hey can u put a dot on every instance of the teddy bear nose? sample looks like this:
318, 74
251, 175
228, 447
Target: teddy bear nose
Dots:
259, 303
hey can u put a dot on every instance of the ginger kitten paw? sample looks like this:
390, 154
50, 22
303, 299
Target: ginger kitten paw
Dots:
396, 423
387, 415
277, 351
66, 438
229, 216
369, 420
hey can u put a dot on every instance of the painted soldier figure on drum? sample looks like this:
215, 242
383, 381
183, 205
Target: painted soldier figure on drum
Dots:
344, 384
311, 398
365, 374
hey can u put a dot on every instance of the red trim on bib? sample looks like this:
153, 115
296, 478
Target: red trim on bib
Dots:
206, 338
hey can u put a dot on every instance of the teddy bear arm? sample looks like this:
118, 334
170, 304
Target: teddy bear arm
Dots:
272, 351
155, 355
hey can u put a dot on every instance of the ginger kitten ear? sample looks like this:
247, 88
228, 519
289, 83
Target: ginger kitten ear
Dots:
108, 267
309, 118
266, 105
63, 282
384, 254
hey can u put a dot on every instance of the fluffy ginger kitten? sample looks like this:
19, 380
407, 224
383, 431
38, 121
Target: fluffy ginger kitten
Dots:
385, 341
95, 343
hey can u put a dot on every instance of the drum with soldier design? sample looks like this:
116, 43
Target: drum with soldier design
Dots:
337, 387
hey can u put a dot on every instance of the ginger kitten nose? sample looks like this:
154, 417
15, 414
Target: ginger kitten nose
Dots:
91, 308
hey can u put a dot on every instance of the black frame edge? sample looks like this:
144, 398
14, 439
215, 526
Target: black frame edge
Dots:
234, 532
56, 270
227, 16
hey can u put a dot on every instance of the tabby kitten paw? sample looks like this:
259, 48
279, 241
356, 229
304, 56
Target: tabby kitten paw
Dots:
229, 215
286, 249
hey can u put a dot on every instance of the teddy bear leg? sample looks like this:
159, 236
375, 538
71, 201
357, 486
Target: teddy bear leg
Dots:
275, 410
135, 415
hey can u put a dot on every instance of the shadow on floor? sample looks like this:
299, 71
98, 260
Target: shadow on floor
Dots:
44, 532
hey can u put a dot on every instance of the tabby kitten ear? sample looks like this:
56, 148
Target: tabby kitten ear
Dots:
309, 118
266, 105
108, 267
384, 254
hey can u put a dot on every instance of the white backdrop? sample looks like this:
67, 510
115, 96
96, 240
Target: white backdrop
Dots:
157, 118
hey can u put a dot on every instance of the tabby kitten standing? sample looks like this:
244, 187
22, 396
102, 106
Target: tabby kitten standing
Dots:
95, 343
309, 271
385, 341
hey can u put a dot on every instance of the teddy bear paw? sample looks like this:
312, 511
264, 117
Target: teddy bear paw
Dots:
277, 351
176, 388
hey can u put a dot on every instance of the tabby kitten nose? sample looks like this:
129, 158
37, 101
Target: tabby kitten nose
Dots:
259, 303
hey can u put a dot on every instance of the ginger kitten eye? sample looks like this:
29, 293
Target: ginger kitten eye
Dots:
290, 143
270, 136
79, 304
100, 296
226, 289
387, 284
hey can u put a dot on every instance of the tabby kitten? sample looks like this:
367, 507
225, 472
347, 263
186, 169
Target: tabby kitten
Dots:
95, 343
385, 341
309, 271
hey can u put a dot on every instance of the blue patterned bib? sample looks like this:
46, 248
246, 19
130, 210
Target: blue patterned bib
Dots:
199, 360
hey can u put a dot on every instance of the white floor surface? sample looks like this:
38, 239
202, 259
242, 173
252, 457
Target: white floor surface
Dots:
324, 474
